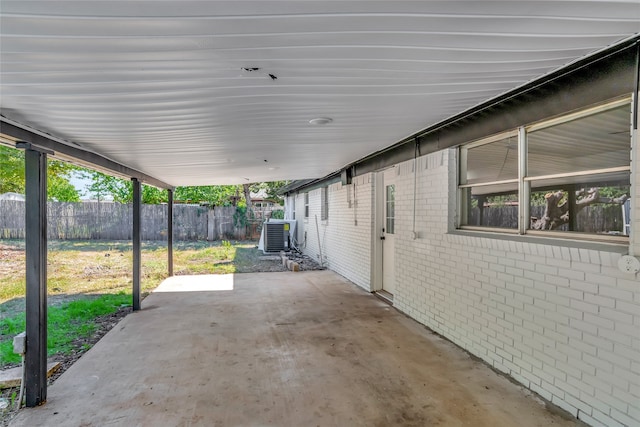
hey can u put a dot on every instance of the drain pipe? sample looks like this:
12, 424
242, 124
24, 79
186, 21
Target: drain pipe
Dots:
19, 344
416, 152
319, 245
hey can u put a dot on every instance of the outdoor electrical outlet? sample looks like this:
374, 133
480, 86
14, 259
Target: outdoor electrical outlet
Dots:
19, 343
629, 264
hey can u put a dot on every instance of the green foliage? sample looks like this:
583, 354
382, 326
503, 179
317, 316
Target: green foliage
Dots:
12, 177
121, 190
615, 192
502, 200
152, 195
11, 170
66, 323
61, 190
240, 216
104, 185
537, 197
7, 355
271, 188
277, 214
215, 195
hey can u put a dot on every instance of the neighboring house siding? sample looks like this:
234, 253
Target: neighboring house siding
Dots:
561, 320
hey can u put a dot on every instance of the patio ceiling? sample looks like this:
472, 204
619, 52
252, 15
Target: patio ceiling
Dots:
182, 90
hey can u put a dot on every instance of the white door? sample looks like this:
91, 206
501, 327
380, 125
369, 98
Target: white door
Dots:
388, 232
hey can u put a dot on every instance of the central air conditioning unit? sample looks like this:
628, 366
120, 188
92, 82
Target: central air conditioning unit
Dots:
276, 237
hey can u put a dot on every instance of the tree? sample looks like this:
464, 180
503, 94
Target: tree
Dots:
12, 177
12, 170
60, 189
121, 190
558, 208
247, 196
272, 189
215, 195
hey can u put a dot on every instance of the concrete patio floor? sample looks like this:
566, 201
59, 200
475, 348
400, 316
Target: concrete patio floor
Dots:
279, 349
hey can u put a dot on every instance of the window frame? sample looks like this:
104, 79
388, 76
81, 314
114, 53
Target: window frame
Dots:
306, 205
390, 202
524, 180
293, 208
462, 171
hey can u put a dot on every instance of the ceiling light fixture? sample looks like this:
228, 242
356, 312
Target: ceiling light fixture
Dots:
321, 121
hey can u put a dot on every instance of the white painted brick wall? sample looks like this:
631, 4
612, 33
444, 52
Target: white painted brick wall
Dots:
345, 238
562, 321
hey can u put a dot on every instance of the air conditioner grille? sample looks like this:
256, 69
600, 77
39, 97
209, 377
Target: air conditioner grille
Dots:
274, 235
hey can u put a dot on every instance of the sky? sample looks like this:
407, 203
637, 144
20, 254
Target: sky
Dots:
81, 185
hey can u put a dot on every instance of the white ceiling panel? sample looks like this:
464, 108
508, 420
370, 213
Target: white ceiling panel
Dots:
160, 86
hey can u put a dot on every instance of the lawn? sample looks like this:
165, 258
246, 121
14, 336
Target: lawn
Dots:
91, 279
68, 324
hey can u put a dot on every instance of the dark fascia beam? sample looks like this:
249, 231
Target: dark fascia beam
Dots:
602, 76
313, 184
598, 78
12, 133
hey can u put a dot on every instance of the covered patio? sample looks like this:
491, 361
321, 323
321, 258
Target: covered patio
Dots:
279, 349
188, 93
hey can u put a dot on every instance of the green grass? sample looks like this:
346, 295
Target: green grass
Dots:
105, 267
11, 288
66, 323
97, 275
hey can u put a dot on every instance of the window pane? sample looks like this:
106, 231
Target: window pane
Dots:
491, 206
598, 141
324, 203
391, 193
390, 209
496, 161
600, 204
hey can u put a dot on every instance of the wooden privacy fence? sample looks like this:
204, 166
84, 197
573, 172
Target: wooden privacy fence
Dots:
591, 219
113, 221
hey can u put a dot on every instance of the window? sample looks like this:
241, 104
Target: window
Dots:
570, 174
306, 205
293, 208
489, 182
390, 213
324, 203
